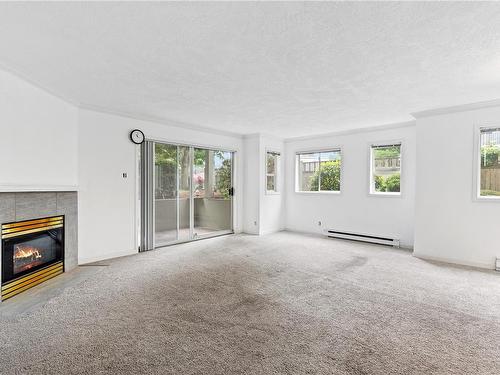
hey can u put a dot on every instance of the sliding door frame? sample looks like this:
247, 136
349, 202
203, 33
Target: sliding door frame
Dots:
148, 206
191, 195
177, 185
147, 201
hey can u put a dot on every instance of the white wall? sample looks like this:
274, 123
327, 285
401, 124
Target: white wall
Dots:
39, 136
107, 201
263, 212
272, 212
252, 185
50, 144
450, 224
354, 209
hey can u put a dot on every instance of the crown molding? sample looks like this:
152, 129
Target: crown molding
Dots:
135, 116
179, 124
456, 108
369, 129
263, 135
273, 137
158, 120
251, 135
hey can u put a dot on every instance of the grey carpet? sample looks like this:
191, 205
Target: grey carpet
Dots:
278, 304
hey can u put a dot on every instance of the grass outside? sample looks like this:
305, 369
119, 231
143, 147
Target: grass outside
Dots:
490, 193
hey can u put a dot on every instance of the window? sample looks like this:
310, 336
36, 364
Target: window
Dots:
489, 167
319, 171
385, 169
272, 165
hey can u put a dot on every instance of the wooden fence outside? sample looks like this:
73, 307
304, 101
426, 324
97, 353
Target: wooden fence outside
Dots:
490, 179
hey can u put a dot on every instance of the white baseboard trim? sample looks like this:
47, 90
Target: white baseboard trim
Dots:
301, 231
108, 256
271, 231
253, 233
459, 262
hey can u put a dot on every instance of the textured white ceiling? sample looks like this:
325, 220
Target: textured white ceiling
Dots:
288, 69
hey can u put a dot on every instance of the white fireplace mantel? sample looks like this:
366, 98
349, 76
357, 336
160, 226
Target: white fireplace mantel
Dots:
36, 188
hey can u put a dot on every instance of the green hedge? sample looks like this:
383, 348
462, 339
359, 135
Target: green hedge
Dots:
389, 184
330, 176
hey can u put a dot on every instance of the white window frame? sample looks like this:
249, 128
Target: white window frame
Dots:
277, 172
476, 190
314, 151
385, 194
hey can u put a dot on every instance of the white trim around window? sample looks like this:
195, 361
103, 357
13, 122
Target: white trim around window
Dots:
273, 175
476, 180
385, 194
298, 153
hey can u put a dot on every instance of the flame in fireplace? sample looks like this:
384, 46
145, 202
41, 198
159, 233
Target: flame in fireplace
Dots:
26, 252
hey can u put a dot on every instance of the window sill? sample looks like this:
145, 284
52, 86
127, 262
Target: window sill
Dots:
492, 198
271, 192
386, 195
319, 192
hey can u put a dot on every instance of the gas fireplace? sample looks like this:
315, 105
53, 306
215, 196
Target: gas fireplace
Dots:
32, 252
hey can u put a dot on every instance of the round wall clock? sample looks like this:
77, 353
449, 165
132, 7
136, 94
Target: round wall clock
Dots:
137, 136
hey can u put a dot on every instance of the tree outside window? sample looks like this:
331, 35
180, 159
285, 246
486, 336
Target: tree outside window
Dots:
272, 163
319, 171
385, 169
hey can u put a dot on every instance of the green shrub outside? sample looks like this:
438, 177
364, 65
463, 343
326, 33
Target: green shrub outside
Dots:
330, 176
392, 183
379, 183
389, 184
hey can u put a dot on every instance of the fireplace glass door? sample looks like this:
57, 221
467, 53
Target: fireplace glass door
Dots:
25, 254
33, 253
192, 190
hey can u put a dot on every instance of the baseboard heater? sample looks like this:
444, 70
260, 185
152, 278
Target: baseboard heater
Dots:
363, 237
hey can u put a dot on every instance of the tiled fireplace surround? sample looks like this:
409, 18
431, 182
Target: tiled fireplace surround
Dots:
34, 205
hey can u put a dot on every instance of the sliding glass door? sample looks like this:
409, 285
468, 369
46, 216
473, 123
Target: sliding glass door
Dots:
165, 193
212, 192
192, 190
